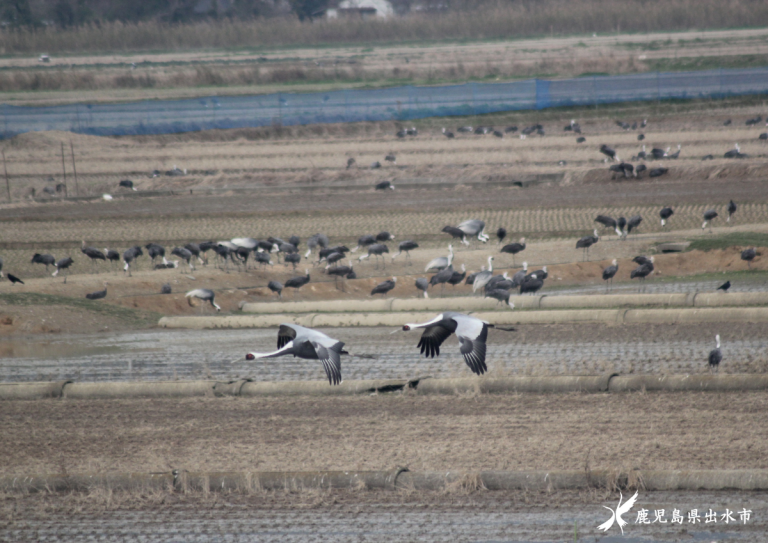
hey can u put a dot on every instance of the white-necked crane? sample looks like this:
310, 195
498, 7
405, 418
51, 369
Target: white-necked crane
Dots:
405, 247
422, 284
63, 264
676, 154
385, 185
586, 242
472, 333
610, 272
732, 207
441, 262
92, 253
482, 278
665, 214
350, 162
514, 248
501, 233
658, 154
194, 248
276, 287
749, 256
377, 250
391, 158
447, 134
473, 227
99, 294
709, 216
166, 289
46, 259
297, 282
203, 294
657, 172
715, 356
309, 344
384, 287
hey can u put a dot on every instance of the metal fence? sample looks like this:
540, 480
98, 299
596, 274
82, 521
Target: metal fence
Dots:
401, 103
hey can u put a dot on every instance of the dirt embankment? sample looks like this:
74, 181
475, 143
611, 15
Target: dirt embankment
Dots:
141, 293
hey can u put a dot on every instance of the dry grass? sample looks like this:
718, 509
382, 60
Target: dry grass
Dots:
504, 21
457, 433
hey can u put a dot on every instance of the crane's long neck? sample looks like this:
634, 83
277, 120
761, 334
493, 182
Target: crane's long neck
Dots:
410, 325
490, 264
285, 349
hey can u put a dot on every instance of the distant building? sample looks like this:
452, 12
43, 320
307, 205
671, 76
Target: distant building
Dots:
361, 9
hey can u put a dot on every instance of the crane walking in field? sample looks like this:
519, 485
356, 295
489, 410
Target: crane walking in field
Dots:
309, 344
610, 272
715, 356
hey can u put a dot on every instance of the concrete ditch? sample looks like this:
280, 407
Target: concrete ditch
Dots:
396, 479
693, 299
554, 384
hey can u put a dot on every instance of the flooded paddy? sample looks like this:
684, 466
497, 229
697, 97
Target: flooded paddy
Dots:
380, 354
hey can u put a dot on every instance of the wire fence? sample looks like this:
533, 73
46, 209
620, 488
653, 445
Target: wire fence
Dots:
400, 103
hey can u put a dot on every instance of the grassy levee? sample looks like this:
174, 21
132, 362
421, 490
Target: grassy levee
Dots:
523, 19
736, 239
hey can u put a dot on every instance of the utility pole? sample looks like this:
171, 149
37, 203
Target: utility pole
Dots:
64, 170
74, 168
7, 184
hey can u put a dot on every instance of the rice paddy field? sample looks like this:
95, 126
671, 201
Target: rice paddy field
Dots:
283, 181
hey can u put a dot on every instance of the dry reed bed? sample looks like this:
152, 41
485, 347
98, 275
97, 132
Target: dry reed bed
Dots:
527, 18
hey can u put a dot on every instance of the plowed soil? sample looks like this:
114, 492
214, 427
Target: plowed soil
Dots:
469, 432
